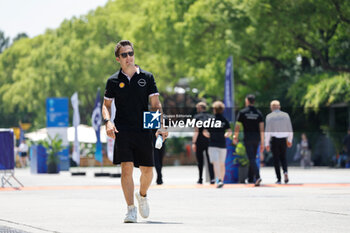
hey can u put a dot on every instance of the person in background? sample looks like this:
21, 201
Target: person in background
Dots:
217, 142
253, 128
200, 144
158, 161
278, 133
23, 153
346, 142
305, 152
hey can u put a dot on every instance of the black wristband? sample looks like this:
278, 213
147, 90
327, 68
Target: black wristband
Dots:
106, 120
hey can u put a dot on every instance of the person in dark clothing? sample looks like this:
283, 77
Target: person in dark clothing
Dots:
200, 144
217, 142
133, 90
253, 126
158, 161
346, 143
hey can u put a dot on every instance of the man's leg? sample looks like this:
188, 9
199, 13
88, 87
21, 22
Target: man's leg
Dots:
161, 156
283, 155
216, 166
199, 155
283, 158
251, 148
127, 182
158, 165
275, 154
210, 166
145, 182
145, 179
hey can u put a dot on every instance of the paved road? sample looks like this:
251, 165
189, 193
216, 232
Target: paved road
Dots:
316, 200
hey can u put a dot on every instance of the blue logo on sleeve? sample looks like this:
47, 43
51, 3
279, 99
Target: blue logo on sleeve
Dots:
151, 120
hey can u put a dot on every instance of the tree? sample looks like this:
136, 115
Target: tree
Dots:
19, 36
4, 41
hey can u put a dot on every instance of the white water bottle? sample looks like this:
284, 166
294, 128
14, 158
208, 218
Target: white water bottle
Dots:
159, 142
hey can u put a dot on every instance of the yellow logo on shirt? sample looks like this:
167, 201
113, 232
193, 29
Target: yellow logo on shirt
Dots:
121, 85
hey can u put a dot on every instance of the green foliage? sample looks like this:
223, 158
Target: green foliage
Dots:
242, 158
240, 151
176, 145
4, 41
20, 36
277, 46
328, 91
53, 147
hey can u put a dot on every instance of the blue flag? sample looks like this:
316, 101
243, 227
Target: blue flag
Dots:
229, 100
96, 124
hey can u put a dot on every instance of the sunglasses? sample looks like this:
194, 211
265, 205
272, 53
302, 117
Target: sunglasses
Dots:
124, 55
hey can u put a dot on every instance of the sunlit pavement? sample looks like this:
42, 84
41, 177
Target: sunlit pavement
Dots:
315, 200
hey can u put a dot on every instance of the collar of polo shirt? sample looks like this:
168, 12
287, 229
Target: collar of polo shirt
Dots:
137, 72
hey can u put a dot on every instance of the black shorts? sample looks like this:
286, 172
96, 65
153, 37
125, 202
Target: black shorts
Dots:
134, 146
22, 154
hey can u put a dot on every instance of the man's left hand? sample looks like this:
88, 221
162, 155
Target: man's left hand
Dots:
261, 148
163, 132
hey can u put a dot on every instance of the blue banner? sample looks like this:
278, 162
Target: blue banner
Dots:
7, 161
96, 124
57, 112
229, 91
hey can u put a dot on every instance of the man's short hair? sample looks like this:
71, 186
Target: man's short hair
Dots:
250, 98
275, 103
201, 105
120, 44
219, 107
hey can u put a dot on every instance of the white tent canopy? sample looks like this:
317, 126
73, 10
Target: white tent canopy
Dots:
86, 134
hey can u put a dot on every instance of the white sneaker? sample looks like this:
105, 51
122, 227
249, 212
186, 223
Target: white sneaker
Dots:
143, 205
131, 215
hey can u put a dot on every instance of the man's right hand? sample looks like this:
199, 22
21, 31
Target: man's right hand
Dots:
235, 141
111, 130
194, 147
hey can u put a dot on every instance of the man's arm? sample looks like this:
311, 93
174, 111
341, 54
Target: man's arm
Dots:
156, 105
262, 144
106, 113
194, 139
267, 133
290, 133
235, 136
228, 133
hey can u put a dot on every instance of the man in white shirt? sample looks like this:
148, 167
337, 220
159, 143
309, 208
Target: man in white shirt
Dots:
278, 133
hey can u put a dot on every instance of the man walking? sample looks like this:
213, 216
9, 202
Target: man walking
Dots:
200, 143
278, 133
253, 126
132, 89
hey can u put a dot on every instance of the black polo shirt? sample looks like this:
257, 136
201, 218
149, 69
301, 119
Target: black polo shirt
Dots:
250, 117
131, 98
217, 135
202, 141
